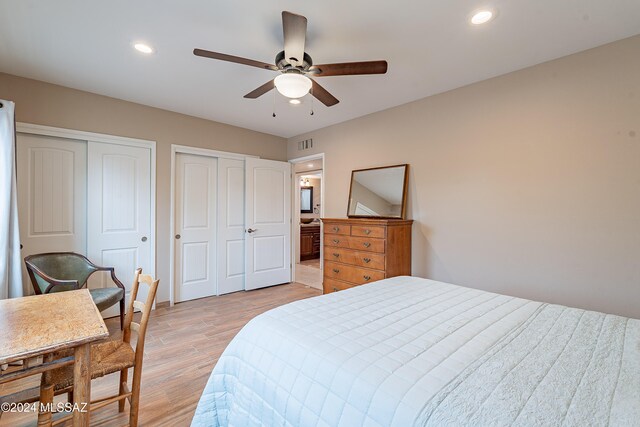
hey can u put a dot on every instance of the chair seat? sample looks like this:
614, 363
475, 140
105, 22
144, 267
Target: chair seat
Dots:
106, 358
106, 297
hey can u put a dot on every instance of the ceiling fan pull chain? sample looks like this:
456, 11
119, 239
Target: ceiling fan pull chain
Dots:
274, 103
311, 114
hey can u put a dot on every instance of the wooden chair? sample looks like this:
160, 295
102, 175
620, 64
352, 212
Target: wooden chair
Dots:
65, 271
108, 358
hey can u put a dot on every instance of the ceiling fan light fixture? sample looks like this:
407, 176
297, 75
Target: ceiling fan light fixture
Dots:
295, 101
292, 85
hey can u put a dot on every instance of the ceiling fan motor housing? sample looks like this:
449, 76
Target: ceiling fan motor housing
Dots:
285, 66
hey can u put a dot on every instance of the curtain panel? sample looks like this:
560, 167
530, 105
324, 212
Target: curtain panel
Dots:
10, 262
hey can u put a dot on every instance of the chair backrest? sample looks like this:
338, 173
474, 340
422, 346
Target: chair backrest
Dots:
144, 307
58, 266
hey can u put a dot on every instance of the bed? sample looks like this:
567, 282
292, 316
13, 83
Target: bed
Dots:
408, 351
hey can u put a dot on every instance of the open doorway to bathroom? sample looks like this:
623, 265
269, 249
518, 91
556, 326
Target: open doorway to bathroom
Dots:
307, 228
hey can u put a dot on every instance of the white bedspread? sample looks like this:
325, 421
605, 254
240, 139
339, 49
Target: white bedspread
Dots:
408, 351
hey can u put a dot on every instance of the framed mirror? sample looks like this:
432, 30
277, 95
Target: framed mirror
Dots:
306, 199
378, 192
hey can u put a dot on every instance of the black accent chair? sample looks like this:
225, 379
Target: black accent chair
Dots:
66, 271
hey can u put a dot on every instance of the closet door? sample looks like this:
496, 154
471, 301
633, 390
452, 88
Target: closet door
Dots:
119, 212
51, 195
267, 222
195, 226
230, 225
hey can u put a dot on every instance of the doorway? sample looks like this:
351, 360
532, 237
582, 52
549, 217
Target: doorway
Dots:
308, 189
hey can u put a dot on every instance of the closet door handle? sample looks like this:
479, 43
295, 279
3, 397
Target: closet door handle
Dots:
178, 237
366, 244
251, 230
366, 260
144, 238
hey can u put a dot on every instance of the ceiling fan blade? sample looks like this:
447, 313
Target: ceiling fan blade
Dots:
231, 58
294, 28
261, 90
349, 68
323, 95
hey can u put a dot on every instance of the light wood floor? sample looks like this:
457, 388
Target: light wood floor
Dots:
183, 344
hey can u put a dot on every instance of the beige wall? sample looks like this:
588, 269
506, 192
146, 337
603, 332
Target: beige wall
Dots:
527, 184
46, 104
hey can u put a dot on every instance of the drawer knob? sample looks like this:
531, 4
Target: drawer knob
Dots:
336, 229
335, 270
367, 232
366, 260
366, 244
336, 241
336, 255
367, 278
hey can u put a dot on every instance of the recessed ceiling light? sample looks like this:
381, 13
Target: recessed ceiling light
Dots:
142, 47
481, 17
295, 101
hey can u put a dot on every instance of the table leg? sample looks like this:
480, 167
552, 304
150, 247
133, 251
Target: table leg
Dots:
82, 385
46, 396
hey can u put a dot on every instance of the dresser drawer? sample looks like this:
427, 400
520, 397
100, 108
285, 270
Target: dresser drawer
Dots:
366, 244
341, 229
350, 273
349, 256
368, 231
356, 243
331, 285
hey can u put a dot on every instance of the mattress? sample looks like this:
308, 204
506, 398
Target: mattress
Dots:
409, 351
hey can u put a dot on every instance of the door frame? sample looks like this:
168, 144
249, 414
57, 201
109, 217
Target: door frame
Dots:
80, 135
185, 149
295, 206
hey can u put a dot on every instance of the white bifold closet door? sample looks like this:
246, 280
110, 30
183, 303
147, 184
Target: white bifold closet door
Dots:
232, 225
119, 213
87, 197
231, 245
195, 226
267, 222
52, 191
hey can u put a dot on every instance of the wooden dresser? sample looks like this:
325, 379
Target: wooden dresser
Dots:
359, 251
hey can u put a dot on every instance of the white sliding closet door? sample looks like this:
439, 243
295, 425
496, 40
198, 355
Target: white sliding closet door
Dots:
267, 222
119, 212
230, 225
195, 226
51, 195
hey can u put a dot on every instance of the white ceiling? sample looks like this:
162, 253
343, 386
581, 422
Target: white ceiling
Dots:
429, 44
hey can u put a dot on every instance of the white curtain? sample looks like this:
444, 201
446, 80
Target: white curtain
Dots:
10, 262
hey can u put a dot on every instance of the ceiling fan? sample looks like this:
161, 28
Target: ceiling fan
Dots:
295, 64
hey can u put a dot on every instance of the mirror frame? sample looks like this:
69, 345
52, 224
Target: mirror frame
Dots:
310, 189
404, 192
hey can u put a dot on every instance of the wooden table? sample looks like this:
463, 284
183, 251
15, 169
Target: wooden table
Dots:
33, 327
